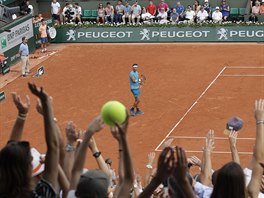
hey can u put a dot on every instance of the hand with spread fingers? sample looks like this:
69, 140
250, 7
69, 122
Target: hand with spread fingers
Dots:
22, 107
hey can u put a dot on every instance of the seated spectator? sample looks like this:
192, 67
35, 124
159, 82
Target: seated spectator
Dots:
109, 13
174, 16
217, 15
207, 7
100, 14
119, 12
78, 13
67, 6
225, 9
253, 18
252, 3
145, 16
196, 6
180, 10
261, 11
256, 9
69, 14
136, 12
127, 13
189, 14
30, 7
164, 5
202, 15
151, 8
24, 9
162, 16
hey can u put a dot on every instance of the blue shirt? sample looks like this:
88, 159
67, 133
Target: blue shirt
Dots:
133, 85
127, 9
23, 49
180, 9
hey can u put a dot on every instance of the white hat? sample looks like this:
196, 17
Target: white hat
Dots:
205, 0
37, 167
217, 8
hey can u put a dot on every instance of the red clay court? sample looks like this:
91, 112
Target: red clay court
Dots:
190, 89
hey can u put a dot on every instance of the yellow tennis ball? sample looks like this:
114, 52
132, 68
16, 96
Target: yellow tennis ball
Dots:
113, 112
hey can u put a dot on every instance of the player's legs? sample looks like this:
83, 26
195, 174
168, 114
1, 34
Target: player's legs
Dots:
136, 94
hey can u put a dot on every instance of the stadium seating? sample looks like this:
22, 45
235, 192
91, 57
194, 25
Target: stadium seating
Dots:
234, 12
89, 15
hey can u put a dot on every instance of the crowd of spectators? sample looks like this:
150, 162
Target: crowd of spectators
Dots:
24, 172
257, 8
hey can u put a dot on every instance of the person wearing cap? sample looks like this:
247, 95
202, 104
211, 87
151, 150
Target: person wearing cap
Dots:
134, 86
256, 9
225, 9
217, 15
136, 12
127, 13
261, 10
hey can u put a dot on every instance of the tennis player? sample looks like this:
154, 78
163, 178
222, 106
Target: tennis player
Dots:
134, 86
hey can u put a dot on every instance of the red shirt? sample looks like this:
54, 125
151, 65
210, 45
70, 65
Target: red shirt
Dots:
151, 9
163, 5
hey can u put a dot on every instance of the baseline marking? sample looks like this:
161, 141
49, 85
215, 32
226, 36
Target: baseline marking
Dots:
190, 108
216, 138
242, 75
245, 67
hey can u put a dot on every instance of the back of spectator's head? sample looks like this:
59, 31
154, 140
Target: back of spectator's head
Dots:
15, 169
93, 184
230, 182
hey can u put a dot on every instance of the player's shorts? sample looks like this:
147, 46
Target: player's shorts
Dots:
135, 92
44, 40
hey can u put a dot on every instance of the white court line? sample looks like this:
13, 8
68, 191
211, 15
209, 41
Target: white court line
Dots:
242, 75
215, 152
195, 102
245, 67
217, 138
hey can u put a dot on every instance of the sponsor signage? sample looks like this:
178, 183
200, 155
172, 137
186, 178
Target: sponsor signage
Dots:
168, 34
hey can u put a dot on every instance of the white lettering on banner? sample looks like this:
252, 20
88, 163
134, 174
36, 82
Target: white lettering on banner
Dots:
179, 34
239, 33
111, 34
261, 33
14, 38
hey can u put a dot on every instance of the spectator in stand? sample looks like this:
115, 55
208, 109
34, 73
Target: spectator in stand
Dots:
127, 13
55, 11
256, 8
43, 36
253, 18
252, 3
119, 11
180, 10
261, 11
189, 14
196, 6
164, 5
109, 13
136, 12
78, 13
146, 17
151, 8
225, 9
37, 18
67, 6
24, 9
217, 15
174, 16
100, 14
30, 7
162, 16
202, 15
207, 7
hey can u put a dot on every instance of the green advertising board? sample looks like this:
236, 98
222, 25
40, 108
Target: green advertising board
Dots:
36, 31
160, 34
10, 41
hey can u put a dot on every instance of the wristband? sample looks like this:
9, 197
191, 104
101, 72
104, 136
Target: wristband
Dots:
97, 154
69, 148
260, 122
21, 117
149, 166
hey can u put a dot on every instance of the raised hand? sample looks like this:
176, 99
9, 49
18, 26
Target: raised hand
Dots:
151, 158
71, 133
115, 133
38, 91
209, 141
39, 106
233, 138
259, 109
92, 144
181, 165
195, 161
122, 129
96, 125
21, 106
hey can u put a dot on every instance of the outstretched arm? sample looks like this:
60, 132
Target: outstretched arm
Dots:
52, 157
254, 185
232, 142
17, 130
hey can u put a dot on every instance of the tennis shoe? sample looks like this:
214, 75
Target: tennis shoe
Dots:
132, 113
139, 113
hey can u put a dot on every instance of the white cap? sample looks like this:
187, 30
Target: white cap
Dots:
217, 8
205, 0
37, 167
